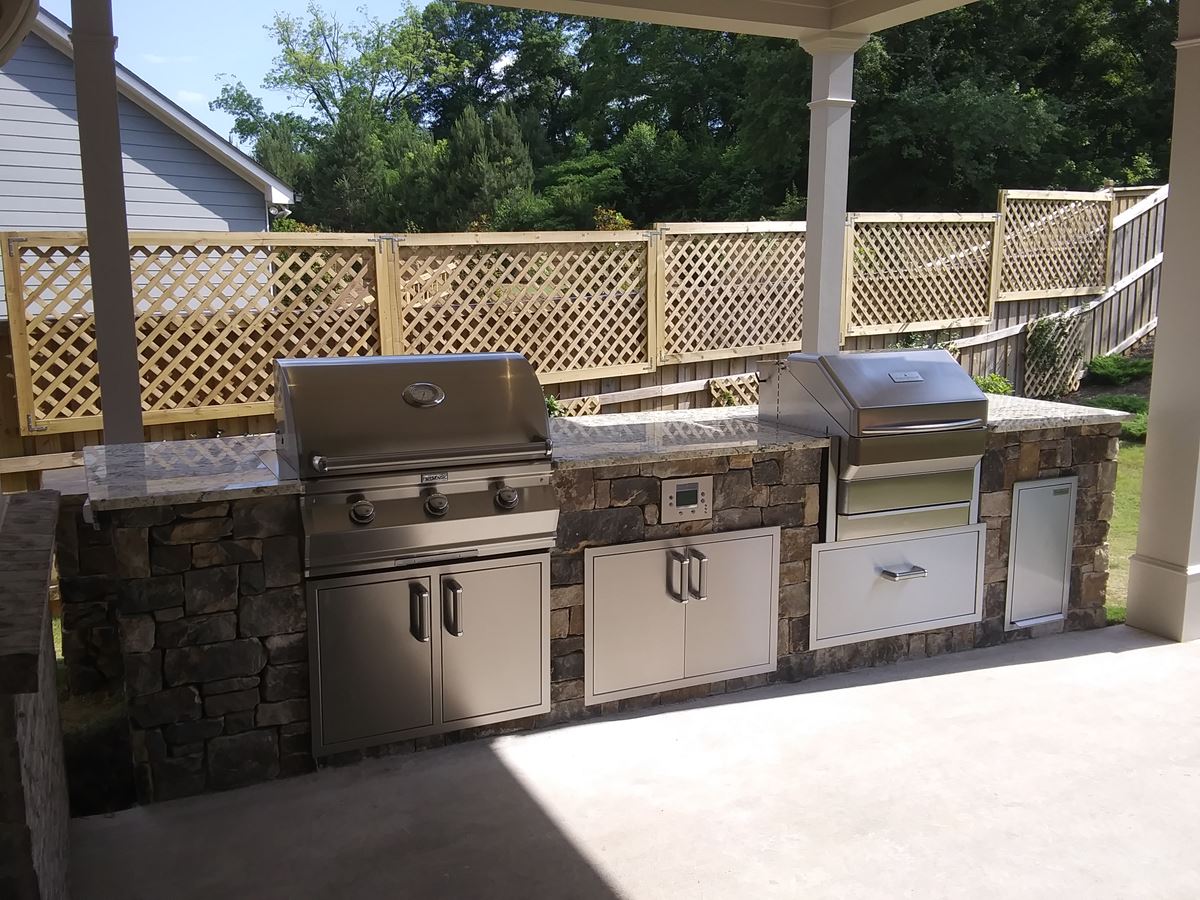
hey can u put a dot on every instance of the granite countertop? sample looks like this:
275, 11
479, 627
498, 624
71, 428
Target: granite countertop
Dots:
27, 524
628, 438
129, 475
1023, 414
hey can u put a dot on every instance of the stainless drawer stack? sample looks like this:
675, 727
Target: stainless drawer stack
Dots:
908, 429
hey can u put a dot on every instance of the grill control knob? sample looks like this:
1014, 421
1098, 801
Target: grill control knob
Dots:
362, 512
437, 505
507, 498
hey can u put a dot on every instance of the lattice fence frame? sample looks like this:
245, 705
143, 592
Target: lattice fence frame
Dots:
212, 311
492, 291
762, 307
1055, 243
947, 283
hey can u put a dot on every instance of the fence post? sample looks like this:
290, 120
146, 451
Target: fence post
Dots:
998, 250
390, 336
656, 295
847, 278
18, 335
997, 255
1108, 247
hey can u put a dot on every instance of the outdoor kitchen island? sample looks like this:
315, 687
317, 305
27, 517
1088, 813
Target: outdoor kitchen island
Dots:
188, 590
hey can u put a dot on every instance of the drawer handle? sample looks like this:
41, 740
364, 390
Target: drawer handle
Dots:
453, 593
684, 576
418, 613
907, 575
701, 592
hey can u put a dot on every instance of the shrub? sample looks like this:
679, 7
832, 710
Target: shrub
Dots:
554, 406
1133, 428
1118, 369
288, 224
994, 384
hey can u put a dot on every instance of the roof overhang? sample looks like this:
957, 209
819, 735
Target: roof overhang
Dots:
56, 33
799, 19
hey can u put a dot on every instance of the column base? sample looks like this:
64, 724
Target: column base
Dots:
1164, 599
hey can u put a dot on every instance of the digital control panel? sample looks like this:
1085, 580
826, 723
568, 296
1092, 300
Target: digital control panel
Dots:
687, 499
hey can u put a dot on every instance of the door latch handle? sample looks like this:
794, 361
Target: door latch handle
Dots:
684, 576
418, 605
452, 607
701, 592
907, 575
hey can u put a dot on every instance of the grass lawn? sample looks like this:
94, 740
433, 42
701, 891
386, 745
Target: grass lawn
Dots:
1122, 534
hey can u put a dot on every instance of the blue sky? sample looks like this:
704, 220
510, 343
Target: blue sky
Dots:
184, 49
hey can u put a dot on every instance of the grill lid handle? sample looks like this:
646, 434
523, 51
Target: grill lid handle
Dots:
925, 427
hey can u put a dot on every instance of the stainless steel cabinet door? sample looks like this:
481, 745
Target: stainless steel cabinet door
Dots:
731, 627
374, 658
636, 625
1039, 560
492, 641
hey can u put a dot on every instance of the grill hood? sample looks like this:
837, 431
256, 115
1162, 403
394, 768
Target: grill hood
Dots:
393, 413
917, 392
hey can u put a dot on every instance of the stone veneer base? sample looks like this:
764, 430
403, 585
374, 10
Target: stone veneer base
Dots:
197, 611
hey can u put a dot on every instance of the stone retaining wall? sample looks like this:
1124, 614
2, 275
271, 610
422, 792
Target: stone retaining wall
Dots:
199, 611
34, 813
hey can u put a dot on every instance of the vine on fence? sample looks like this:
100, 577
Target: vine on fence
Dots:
1052, 355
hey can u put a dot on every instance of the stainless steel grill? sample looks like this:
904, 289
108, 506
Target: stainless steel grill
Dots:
407, 460
909, 430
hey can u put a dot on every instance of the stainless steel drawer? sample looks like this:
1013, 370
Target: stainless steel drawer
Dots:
884, 586
903, 491
903, 521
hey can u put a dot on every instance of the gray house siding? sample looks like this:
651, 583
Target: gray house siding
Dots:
170, 184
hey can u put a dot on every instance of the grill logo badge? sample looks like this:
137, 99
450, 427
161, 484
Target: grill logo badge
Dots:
423, 394
434, 477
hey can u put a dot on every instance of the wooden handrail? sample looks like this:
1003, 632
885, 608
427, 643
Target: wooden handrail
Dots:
21, 465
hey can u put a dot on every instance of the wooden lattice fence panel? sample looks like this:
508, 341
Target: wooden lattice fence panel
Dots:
580, 406
1053, 350
575, 308
731, 289
1055, 243
734, 390
210, 319
918, 272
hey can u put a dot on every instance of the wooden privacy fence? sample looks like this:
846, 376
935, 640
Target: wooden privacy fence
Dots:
1124, 313
213, 310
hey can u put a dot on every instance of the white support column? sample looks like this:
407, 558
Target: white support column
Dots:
828, 178
104, 207
1164, 574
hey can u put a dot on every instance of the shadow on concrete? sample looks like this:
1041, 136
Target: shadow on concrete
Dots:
453, 823
1026, 651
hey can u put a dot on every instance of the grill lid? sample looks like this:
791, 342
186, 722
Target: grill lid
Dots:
888, 392
370, 414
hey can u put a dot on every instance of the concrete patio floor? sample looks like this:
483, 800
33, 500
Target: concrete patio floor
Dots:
1061, 767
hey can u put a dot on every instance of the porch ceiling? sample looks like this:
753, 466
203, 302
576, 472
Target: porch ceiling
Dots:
800, 19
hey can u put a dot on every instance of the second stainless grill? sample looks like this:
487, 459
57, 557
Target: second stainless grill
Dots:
909, 429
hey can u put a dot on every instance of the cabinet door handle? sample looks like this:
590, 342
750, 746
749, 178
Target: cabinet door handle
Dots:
418, 612
907, 575
452, 606
701, 592
684, 576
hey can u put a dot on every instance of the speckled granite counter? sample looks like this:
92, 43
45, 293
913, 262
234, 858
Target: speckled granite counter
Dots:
132, 475
670, 434
1006, 414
